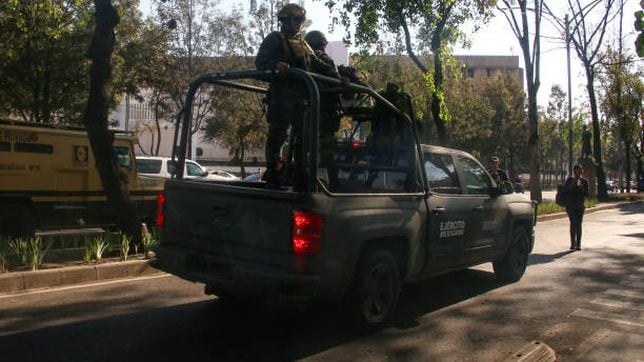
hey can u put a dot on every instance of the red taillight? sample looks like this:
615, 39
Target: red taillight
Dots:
160, 211
307, 233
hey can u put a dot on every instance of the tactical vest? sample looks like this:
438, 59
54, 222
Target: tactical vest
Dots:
297, 52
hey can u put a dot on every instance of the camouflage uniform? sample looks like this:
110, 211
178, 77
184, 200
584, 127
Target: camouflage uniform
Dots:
285, 97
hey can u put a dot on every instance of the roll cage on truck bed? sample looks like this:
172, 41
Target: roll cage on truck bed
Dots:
360, 107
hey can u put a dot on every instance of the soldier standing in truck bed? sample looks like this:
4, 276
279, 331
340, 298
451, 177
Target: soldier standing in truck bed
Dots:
281, 50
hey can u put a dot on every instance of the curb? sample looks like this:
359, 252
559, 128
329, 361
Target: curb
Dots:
49, 278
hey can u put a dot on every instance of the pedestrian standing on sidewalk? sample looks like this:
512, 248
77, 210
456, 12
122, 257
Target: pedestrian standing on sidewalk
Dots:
575, 190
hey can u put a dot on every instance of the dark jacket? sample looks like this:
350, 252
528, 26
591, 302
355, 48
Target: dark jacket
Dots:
575, 193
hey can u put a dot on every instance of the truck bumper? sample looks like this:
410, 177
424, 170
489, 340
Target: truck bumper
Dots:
236, 278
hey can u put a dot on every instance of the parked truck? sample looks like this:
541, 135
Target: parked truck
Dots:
49, 181
399, 211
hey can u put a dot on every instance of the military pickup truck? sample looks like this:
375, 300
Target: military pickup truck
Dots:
399, 211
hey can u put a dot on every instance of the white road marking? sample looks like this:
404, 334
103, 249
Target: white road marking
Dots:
625, 293
610, 317
632, 284
81, 286
627, 304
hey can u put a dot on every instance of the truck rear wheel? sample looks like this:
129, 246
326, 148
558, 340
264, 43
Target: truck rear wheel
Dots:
513, 264
376, 289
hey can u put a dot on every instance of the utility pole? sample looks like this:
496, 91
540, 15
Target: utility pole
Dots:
569, 96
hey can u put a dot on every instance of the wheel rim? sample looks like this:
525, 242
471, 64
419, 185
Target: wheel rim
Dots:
378, 293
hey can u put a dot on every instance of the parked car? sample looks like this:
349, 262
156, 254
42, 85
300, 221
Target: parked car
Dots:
222, 175
164, 167
610, 185
253, 177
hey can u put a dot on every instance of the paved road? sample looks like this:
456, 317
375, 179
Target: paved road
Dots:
585, 305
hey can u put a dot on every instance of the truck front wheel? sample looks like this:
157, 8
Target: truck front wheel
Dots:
513, 264
376, 289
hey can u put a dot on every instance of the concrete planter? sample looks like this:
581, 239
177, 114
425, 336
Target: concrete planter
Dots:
57, 277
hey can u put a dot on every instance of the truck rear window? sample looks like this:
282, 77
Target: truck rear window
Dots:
149, 166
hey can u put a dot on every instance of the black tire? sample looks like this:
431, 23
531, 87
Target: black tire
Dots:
513, 264
376, 290
16, 220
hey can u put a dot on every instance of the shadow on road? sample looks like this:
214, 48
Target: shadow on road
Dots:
223, 331
535, 259
631, 208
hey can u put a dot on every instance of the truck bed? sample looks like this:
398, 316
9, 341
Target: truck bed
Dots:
235, 222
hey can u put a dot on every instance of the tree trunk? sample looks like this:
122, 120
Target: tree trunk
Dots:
627, 149
95, 120
158, 125
602, 191
437, 93
438, 77
533, 124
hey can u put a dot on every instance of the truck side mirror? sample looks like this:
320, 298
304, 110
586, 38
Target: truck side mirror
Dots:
506, 188
503, 188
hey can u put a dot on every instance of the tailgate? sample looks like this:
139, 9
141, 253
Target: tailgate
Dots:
233, 222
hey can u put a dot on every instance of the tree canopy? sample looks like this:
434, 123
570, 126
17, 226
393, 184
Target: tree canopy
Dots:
424, 26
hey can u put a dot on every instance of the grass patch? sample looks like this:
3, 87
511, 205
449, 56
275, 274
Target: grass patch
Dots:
549, 207
619, 197
37, 250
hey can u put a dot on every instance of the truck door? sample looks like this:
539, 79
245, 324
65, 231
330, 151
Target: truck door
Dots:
447, 224
484, 212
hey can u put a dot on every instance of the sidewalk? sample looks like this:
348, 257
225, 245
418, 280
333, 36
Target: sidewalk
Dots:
18, 282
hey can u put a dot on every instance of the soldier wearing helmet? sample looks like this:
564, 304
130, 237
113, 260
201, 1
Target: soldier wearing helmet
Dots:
281, 50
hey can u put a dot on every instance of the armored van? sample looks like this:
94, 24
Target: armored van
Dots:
48, 179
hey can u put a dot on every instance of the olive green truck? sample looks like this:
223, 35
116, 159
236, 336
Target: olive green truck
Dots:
388, 210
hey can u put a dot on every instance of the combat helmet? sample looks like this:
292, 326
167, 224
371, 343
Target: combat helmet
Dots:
289, 10
316, 39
